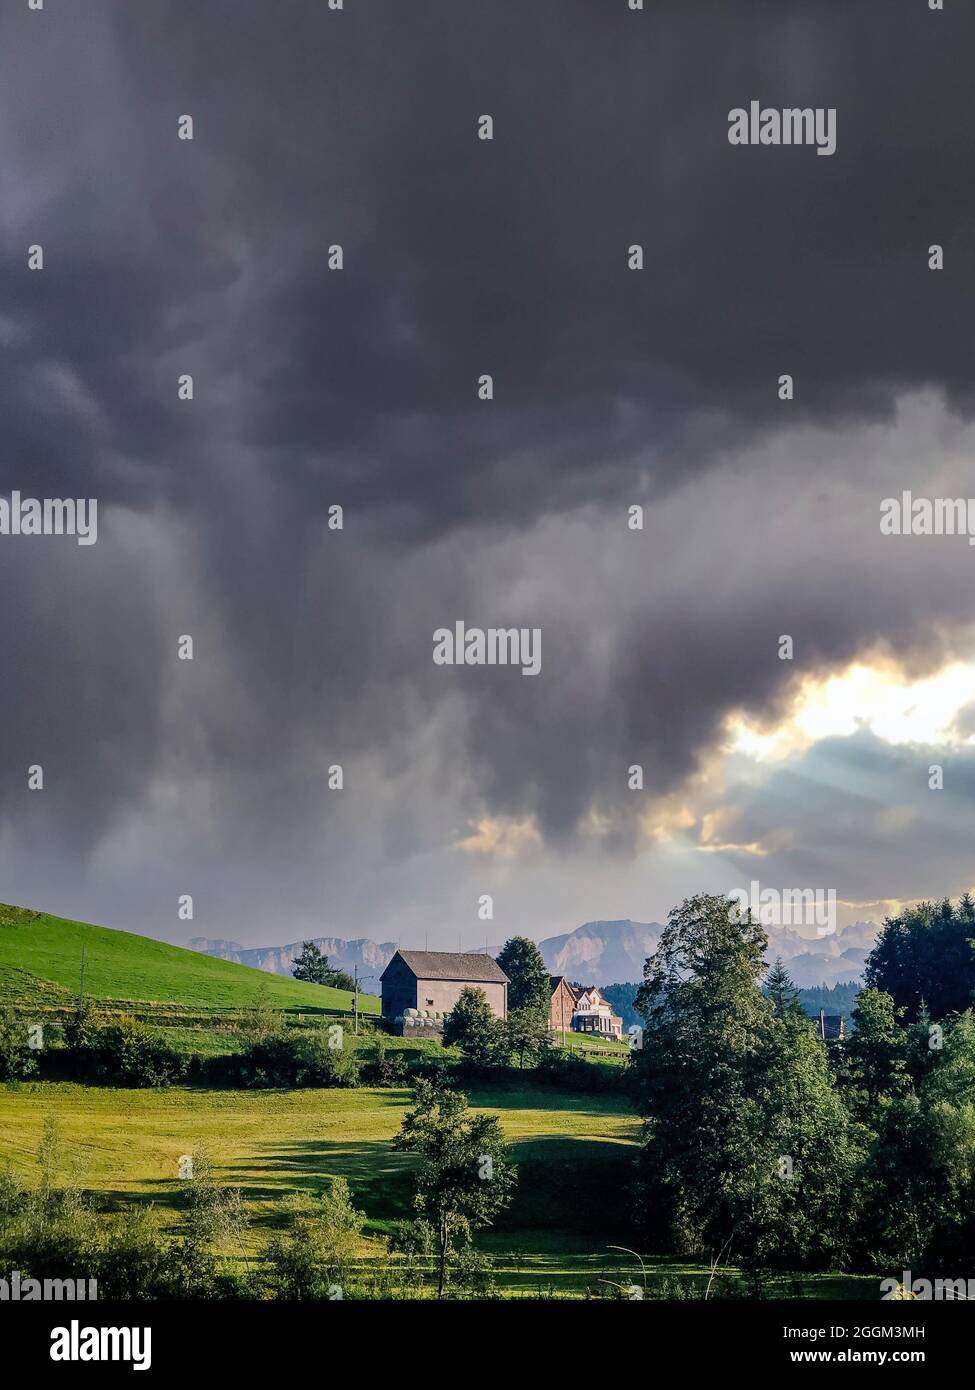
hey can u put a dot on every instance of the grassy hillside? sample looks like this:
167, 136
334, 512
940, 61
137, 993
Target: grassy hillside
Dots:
40, 960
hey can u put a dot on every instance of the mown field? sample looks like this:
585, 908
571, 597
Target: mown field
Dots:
573, 1153
40, 965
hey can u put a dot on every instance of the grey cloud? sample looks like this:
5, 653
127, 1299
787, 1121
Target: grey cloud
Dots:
315, 387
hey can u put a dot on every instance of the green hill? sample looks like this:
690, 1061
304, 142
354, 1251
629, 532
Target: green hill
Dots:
40, 963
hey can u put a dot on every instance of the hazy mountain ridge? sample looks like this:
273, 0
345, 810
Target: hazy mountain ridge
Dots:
604, 953
597, 953
369, 957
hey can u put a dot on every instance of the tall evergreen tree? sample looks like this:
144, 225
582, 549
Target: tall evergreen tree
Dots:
522, 962
313, 966
780, 988
873, 1064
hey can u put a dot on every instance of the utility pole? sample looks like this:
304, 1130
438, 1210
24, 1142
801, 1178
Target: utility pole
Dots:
355, 997
81, 993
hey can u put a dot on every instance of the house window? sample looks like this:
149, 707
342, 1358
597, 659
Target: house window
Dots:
429, 1003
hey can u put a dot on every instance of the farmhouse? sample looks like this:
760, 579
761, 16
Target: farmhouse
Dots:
581, 1009
431, 982
594, 1015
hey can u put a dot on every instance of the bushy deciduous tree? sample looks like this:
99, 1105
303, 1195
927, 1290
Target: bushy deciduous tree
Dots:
464, 1177
473, 1028
527, 1034
17, 1061
748, 1146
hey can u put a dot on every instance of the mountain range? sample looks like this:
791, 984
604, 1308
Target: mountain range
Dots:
597, 953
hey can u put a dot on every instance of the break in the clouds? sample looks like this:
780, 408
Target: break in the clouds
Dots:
612, 387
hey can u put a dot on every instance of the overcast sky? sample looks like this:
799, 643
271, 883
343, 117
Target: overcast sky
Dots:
613, 387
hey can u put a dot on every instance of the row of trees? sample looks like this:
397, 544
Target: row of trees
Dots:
488, 1041
766, 1148
924, 959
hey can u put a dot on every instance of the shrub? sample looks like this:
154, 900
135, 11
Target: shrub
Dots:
300, 1057
315, 1254
562, 1069
387, 1067
16, 1059
122, 1053
48, 1233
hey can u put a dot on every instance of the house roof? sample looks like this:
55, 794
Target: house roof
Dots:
474, 966
555, 980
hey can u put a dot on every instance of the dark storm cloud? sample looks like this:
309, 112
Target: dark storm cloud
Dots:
462, 257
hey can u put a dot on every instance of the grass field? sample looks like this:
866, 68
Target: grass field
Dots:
40, 962
573, 1154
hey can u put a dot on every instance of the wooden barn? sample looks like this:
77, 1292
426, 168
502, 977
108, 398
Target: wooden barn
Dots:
431, 982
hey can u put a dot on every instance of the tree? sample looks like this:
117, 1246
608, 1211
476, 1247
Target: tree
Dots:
747, 1148
527, 1032
464, 1177
794, 1191
780, 988
473, 1028
215, 1215
919, 1209
530, 986
925, 958
873, 1066
312, 966
17, 1061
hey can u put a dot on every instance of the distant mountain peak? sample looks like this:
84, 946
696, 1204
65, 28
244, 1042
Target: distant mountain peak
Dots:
614, 952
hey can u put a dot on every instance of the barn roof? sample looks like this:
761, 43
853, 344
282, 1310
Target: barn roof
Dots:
453, 965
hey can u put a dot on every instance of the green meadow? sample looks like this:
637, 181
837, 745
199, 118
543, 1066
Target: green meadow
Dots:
40, 965
573, 1155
